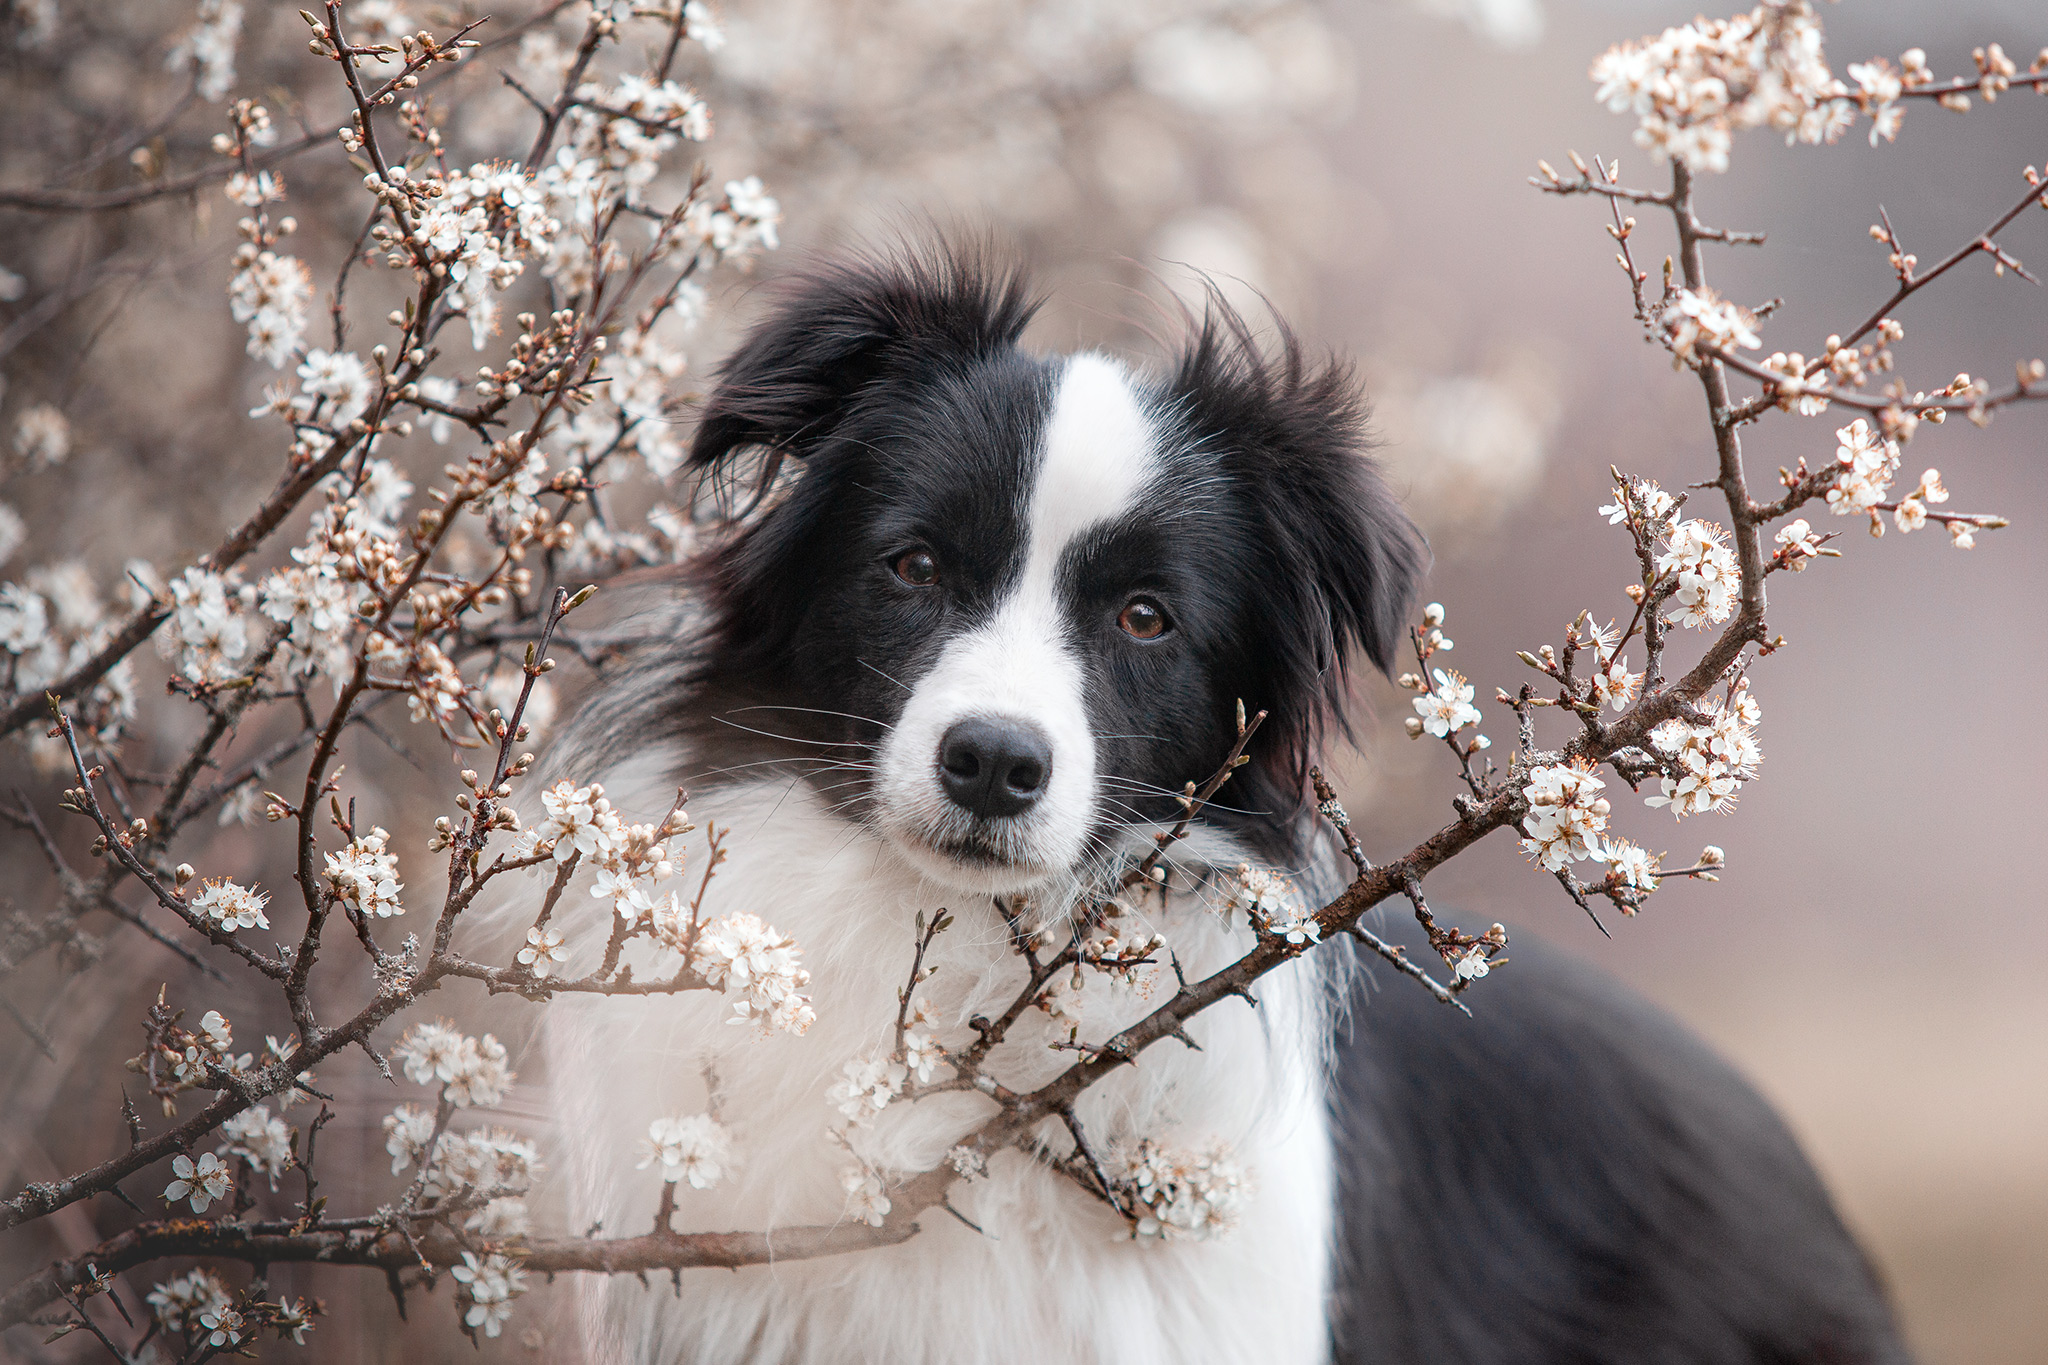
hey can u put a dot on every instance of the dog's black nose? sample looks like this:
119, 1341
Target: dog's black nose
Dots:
994, 767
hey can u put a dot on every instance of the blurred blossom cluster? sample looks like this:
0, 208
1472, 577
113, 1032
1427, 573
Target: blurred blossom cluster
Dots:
1144, 141
1464, 449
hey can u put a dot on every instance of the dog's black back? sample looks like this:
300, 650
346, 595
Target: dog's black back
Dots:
1571, 1176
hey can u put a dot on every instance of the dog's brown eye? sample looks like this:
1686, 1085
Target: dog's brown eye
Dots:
1144, 619
917, 568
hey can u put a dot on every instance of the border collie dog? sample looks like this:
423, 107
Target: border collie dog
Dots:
998, 609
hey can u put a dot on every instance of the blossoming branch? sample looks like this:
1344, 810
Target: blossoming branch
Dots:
454, 599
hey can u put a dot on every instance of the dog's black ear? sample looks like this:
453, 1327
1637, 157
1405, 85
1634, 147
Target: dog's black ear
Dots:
850, 328
1335, 560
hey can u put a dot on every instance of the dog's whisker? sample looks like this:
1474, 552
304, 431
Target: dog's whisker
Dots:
1134, 786
815, 711
865, 664
805, 763
792, 739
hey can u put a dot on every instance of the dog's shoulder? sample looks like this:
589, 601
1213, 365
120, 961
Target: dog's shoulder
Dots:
1570, 1175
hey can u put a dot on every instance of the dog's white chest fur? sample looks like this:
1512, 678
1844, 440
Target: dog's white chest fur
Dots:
1051, 1275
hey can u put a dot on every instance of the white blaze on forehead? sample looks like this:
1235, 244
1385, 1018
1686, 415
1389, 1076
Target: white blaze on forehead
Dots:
1098, 455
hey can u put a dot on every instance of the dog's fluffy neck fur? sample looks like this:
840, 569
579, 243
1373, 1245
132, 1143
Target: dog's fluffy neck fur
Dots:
1049, 1266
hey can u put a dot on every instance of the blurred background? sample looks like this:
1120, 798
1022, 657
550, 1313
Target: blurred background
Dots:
1866, 957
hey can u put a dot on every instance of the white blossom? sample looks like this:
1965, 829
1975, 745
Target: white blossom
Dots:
922, 1054
1448, 706
24, 619
208, 632
430, 1052
865, 1087
365, 876
292, 1319
483, 1076
242, 805
1613, 685
316, 607
1566, 815
745, 955
217, 1029
1705, 765
501, 1220
1190, 1195
274, 1051
482, 224
1634, 865
473, 1070
382, 492
1867, 462
642, 373
378, 21
1878, 88
699, 26
578, 820
1709, 579
407, 1130
486, 1163
867, 1198
208, 48
202, 1181
231, 906
1692, 87
342, 377
42, 436
13, 531
272, 295
630, 898
251, 191
1798, 543
180, 1303
222, 1326
68, 587
1696, 318
543, 951
488, 1286
437, 687
1271, 902
1651, 501
264, 1142
745, 223
694, 1147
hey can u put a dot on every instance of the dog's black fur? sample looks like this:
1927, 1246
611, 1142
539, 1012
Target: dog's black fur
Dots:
1567, 1176
1571, 1176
